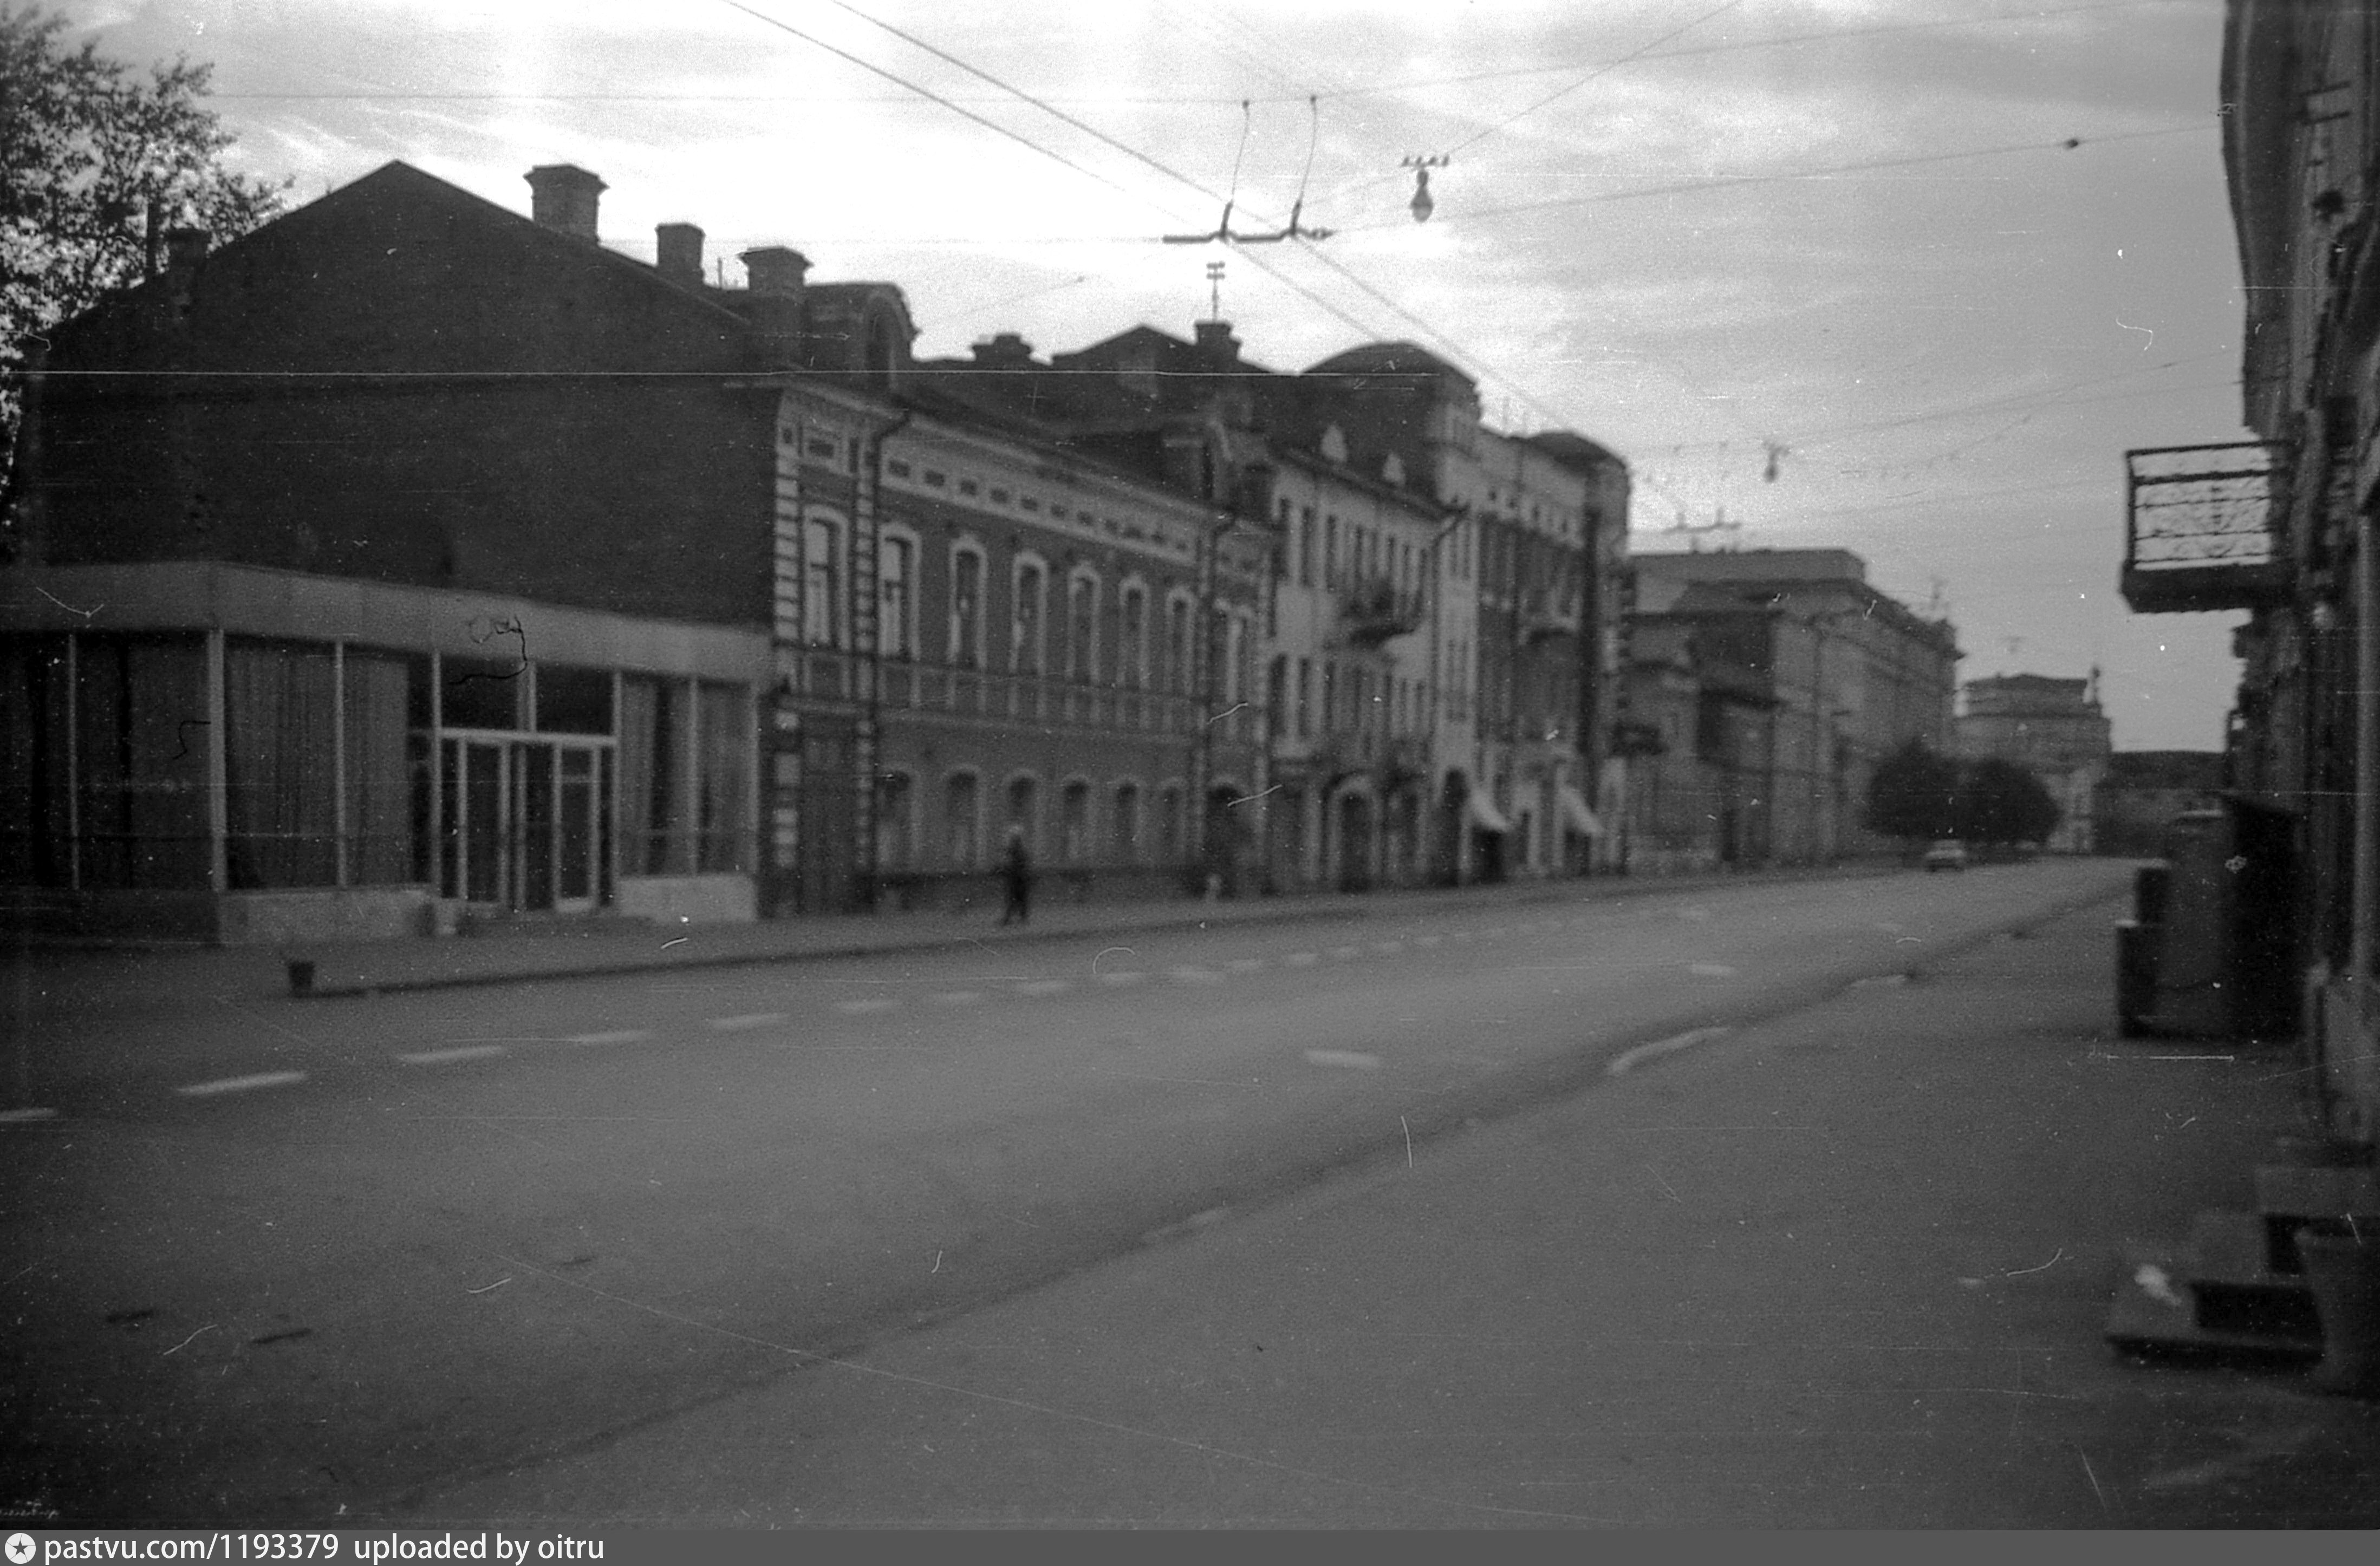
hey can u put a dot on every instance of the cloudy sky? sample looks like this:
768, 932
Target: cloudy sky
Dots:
1902, 276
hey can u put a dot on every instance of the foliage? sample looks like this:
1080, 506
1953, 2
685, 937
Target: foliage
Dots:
2001, 803
1913, 793
96, 162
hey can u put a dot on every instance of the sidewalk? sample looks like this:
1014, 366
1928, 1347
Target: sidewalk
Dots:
370, 968
1846, 1268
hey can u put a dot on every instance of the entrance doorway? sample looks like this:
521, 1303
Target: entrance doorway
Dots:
527, 823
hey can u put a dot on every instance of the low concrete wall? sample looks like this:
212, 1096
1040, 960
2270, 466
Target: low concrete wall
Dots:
356, 913
695, 900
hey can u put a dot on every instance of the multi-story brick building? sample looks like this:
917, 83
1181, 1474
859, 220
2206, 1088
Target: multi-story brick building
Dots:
410, 558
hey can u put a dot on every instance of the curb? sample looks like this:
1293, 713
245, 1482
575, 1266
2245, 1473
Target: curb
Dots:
316, 986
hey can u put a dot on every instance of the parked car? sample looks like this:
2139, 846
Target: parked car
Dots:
1949, 854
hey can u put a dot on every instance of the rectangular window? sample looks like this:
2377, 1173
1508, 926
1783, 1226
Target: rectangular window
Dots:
1025, 641
1277, 698
1305, 699
1330, 552
821, 578
383, 821
1305, 547
480, 693
34, 749
894, 634
652, 790
967, 609
573, 701
724, 732
280, 763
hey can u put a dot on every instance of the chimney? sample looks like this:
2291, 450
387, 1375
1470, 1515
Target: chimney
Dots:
774, 269
677, 252
773, 301
563, 196
1217, 347
185, 249
1006, 351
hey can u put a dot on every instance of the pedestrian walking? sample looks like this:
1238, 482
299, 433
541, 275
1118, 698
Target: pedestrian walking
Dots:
1017, 874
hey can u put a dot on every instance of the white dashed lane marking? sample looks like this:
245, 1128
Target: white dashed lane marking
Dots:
1044, 987
749, 1020
1355, 1059
26, 1117
1426, 939
616, 1036
1628, 1059
1710, 970
868, 1004
460, 1053
1344, 954
1122, 977
239, 1083
1247, 965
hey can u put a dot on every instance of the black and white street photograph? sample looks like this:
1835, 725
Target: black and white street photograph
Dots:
1488, 766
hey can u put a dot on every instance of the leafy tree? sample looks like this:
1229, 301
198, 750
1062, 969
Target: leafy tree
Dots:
96, 162
1913, 793
2000, 802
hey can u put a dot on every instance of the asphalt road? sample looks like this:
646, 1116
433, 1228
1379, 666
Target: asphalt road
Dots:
273, 1259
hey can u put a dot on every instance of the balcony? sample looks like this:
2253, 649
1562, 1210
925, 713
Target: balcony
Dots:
2200, 527
1374, 611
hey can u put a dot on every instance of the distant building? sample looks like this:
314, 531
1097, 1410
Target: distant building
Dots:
2144, 790
2055, 730
1806, 693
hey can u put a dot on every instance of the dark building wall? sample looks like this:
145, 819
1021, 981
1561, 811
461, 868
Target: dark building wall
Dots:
404, 383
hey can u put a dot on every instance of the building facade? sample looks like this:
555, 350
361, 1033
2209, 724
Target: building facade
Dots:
2054, 729
2282, 528
1812, 679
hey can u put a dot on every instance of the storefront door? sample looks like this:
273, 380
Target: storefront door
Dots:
526, 823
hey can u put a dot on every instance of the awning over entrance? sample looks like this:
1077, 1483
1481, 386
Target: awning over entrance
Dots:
1480, 811
1574, 812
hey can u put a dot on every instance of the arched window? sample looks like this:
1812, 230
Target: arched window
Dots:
1125, 824
1025, 638
1082, 627
1024, 812
822, 582
960, 829
1132, 654
967, 606
896, 570
1074, 824
895, 828
1168, 822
